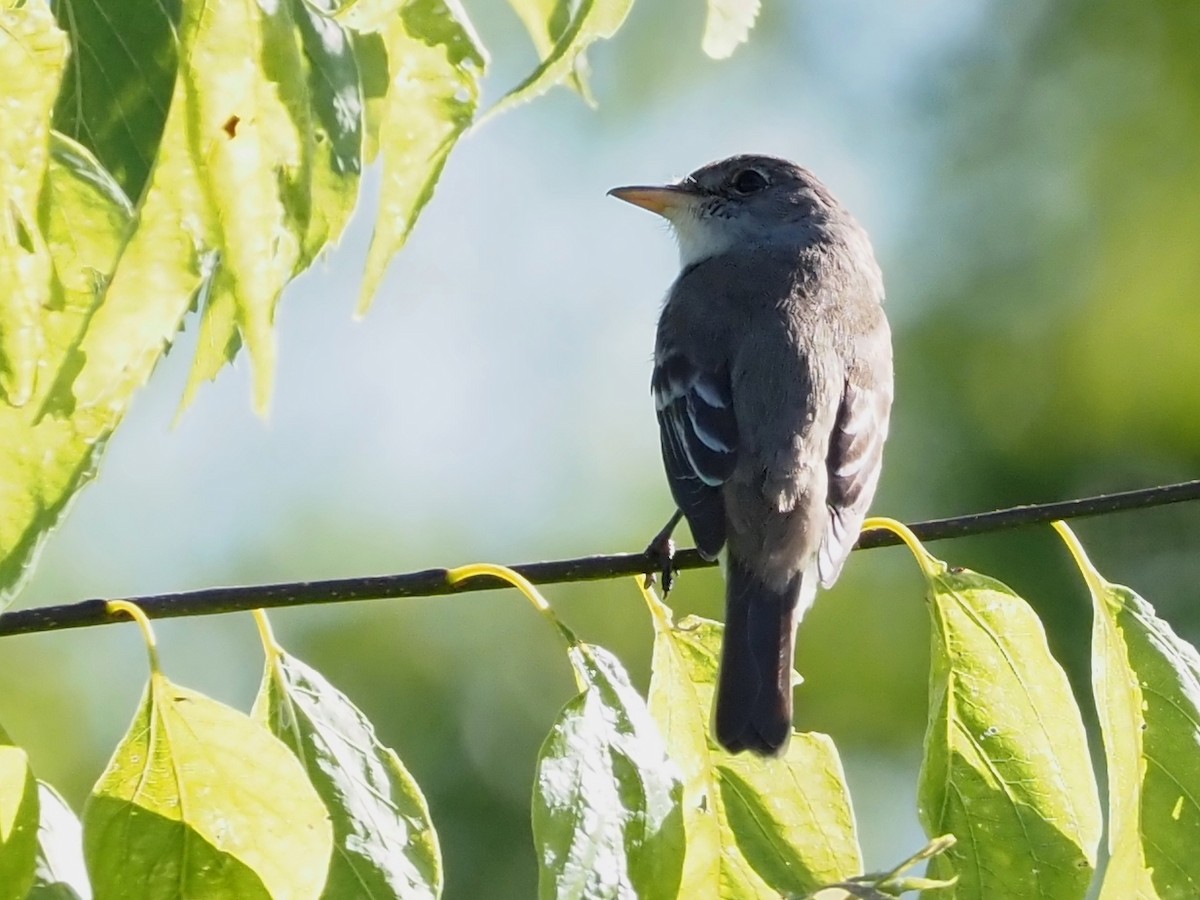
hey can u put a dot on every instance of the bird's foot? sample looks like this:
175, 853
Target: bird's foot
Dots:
661, 554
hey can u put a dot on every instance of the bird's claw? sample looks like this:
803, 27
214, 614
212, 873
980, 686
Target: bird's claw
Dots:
661, 553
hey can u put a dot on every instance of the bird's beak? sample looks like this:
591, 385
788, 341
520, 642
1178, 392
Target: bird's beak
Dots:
663, 199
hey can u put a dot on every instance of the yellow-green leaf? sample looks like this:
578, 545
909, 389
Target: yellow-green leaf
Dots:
370, 53
241, 128
791, 817
245, 91
384, 844
606, 806
263, 144
200, 800
18, 821
593, 20
546, 20
1146, 681
48, 446
1006, 767
728, 24
61, 873
680, 698
754, 827
277, 90
32, 53
435, 63
335, 94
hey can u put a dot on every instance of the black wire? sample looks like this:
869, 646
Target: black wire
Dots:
431, 582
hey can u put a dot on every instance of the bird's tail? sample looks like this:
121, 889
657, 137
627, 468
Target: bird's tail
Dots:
754, 687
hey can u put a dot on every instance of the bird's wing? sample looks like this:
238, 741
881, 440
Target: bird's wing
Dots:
699, 438
855, 454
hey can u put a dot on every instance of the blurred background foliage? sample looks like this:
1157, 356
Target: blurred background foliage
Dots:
1029, 173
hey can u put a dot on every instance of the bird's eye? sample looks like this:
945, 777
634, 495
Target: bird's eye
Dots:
749, 181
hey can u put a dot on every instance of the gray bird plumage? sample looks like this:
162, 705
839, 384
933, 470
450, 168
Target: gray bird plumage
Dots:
773, 386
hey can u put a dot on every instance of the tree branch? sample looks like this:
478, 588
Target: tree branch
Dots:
430, 582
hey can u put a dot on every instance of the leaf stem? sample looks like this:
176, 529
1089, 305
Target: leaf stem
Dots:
134, 612
521, 583
929, 563
1095, 582
270, 646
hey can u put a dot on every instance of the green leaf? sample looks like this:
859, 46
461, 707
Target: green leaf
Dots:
606, 804
370, 53
280, 173
243, 86
61, 873
243, 122
791, 817
200, 800
18, 821
754, 827
546, 20
335, 94
1146, 680
254, 169
32, 52
50, 443
1006, 767
680, 698
362, 16
435, 63
593, 20
384, 842
117, 89
728, 24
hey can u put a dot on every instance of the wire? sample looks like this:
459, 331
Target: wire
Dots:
432, 582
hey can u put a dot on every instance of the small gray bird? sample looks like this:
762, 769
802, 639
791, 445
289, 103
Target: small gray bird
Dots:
773, 386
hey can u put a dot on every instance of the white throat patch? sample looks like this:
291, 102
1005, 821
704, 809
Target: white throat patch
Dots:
700, 239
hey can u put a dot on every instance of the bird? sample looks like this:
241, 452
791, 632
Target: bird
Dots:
773, 387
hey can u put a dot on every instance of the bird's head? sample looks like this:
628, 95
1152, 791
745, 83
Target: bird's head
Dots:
749, 201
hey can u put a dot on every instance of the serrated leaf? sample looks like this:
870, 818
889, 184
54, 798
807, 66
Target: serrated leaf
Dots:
1006, 767
607, 820
546, 20
244, 88
251, 171
593, 20
117, 90
435, 63
32, 53
1146, 681
383, 838
754, 827
249, 175
61, 873
49, 444
18, 821
335, 93
200, 800
727, 25
280, 173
